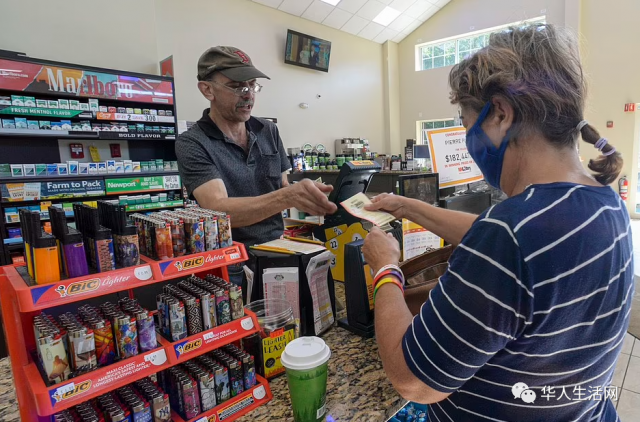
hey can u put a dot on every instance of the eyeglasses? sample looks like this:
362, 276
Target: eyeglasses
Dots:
243, 90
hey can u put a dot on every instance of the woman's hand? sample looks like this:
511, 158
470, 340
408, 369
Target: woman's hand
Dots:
380, 249
393, 204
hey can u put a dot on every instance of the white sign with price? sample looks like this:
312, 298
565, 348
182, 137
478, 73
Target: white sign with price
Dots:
171, 182
450, 157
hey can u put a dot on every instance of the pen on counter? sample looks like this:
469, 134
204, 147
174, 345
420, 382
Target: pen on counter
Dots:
271, 249
299, 239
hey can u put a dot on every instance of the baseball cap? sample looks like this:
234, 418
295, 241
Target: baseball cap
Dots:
232, 62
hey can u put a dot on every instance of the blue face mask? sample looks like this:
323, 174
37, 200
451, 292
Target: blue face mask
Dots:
488, 158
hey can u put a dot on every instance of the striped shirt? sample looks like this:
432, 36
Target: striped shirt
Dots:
538, 292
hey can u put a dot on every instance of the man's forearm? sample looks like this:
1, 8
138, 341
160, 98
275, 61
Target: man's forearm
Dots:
250, 210
449, 225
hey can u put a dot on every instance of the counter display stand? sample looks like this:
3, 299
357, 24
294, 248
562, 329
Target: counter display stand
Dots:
21, 302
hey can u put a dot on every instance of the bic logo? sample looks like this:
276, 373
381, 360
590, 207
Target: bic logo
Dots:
190, 346
77, 389
187, 264
79, 287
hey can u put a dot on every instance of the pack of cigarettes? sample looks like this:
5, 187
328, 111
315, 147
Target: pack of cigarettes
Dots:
74, 104
41, 104
103, 109
29, 102
63, 104
112, 109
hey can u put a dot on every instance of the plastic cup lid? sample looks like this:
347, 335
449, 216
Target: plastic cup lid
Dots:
305, 353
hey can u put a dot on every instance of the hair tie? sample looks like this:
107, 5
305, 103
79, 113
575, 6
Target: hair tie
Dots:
608, 153
581, 125
600, 144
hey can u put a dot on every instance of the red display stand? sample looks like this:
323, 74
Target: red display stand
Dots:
20, 303
236, 407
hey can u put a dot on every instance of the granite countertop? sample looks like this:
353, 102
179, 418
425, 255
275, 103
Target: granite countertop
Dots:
357, 387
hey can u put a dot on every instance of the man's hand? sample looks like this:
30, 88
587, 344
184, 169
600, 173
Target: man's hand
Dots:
393, 204
380, 249
310, 197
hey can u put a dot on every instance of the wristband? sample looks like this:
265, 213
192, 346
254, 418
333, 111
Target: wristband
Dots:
388, 273
382, 282
387, 267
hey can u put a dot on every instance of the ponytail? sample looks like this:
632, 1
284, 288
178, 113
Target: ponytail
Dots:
608, 166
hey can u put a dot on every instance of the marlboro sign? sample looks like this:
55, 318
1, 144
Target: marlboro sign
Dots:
38, 78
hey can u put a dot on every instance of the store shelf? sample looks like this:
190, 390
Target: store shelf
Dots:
195, 263
68, 214
235, 407
154, 206
33, 298
85, 135
50, 400
86, 176
212, 339
12, 241
142, 118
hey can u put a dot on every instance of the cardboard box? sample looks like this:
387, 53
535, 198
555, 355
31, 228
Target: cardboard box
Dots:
29, 101
102, 167
111, 166
8, 124
136, 166
41, 170
167, 166
17, 100
29, 170
160, 164
63, 104
17, 170
45, 124
129, 110
74, 104
137, 111
84, 106
93, 105
83, 168
53, 104
112, 109
86, 125
52, 169
119, 167
76, 126
174, 166
63, 169
73, 167
128, 166
66, 124
56, 125
144, 166
152, 166
41, 103
33, 125
5, 100
103, 109
93, 168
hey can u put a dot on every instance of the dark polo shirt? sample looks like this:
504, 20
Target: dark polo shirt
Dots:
205, 153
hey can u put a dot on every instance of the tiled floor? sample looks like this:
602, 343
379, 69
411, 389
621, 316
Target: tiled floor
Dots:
627, 378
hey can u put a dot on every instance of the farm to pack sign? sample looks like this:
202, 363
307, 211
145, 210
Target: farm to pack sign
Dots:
38, 78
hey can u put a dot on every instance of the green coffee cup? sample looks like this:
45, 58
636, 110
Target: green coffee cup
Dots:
306, 361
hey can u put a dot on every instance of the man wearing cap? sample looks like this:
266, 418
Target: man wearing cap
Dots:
233, 162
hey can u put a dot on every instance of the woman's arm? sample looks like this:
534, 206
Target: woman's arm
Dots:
448, 224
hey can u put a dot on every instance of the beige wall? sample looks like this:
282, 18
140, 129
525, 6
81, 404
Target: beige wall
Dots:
425, 94
117, 34
351, 103
609, 38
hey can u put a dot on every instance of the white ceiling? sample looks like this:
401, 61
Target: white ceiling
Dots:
356, 16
